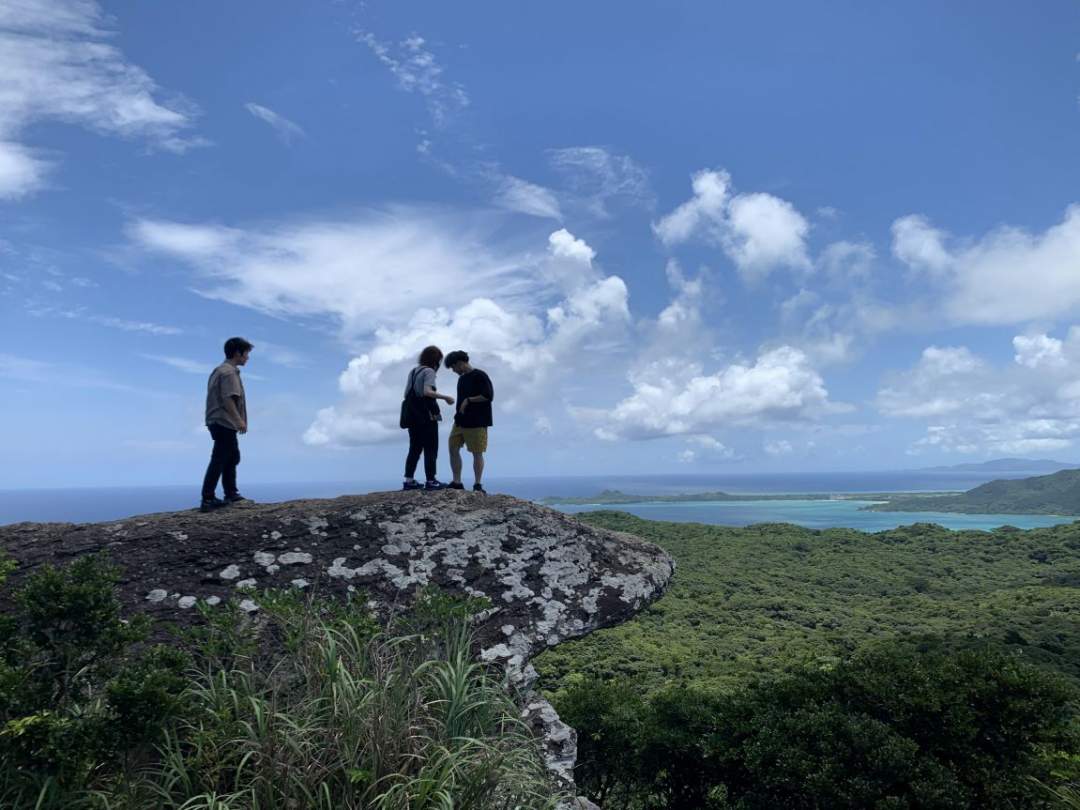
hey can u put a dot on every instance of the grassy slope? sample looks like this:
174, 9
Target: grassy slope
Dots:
760, 599
1057, 494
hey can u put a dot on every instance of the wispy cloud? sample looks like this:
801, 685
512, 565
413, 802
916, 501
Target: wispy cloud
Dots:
181, 363
38, 310
287, 130
56, 64
600, 177
515, 194
418, 71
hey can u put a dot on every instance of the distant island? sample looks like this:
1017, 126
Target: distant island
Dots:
1006, 465
614, 496
1056, 494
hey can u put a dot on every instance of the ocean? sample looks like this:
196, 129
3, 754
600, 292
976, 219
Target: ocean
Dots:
99, 504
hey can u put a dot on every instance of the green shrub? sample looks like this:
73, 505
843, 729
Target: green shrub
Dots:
894, 728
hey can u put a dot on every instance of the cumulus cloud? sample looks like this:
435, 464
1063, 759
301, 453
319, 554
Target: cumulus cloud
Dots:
1007, 276
757, 231
778, 447
973, 406
676, 398
57, 64
417, 70
285, 129
520, 342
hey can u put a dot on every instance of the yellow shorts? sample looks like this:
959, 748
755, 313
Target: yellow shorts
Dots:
474, 439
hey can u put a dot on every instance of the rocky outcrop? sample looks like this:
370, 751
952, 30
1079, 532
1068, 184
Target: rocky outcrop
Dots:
548, 576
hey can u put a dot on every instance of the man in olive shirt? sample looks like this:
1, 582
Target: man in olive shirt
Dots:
471, 419
226, 416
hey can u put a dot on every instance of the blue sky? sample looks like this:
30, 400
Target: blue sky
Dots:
681, 237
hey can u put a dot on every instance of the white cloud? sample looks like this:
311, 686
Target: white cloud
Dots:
971, 406
1008, 276
757, 231
515, 194
601, 177
285, 129
1034, 351
920, 245
363, 271
135, 326
778, 447
180, 363
56, 64
417, 71
676, 398
847, 261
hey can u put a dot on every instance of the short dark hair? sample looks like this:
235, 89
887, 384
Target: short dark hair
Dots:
237, 345
456, 357
430, 357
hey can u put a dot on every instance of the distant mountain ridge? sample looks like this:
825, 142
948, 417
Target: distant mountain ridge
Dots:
1006, 465
1055, 494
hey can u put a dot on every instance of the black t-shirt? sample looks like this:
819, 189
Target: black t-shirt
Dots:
478, 414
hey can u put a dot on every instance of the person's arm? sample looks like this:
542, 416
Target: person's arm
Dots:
234, 413
429, 391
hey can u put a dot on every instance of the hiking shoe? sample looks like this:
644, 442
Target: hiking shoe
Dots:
455, 485
479, 488
412, 485
433, 485
234, 498
210, 504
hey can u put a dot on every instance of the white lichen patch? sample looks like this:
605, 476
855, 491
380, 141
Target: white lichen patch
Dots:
273, 569
275, 535
230, 572
213, 600
187, 602
246, 583
264, 558
508, 629
179, 535
157, 595
316, 525
248, 606
300, 583
294, 558
633, 587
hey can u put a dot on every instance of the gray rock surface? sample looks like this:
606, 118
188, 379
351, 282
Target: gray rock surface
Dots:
548, 576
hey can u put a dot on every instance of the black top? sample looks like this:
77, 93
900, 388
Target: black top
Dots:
478, 414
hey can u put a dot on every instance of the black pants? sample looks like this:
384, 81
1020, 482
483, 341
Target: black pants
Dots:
423, 439
223, 461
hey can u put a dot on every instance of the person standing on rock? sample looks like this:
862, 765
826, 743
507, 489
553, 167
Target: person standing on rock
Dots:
420, 415
472, 418
226, 417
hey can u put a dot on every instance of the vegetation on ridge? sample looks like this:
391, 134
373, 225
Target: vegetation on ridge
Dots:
790, 667
351, 716
1056, 494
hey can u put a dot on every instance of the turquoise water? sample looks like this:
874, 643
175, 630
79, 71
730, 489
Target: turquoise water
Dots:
818, 514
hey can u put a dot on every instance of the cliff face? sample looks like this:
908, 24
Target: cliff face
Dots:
548, 576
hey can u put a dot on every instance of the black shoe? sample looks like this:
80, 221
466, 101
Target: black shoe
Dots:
234, 498
210, 504
455, 485
412, 485
433, 485
479, 488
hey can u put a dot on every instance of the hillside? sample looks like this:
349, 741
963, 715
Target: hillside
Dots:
1055, 494
766, 599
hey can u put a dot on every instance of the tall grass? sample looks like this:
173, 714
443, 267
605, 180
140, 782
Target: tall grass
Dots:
351, 717
313, 705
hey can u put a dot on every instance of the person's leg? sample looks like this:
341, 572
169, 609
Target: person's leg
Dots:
454, 446
228, 468
431, 451
416, 447
478, 466
216, 465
